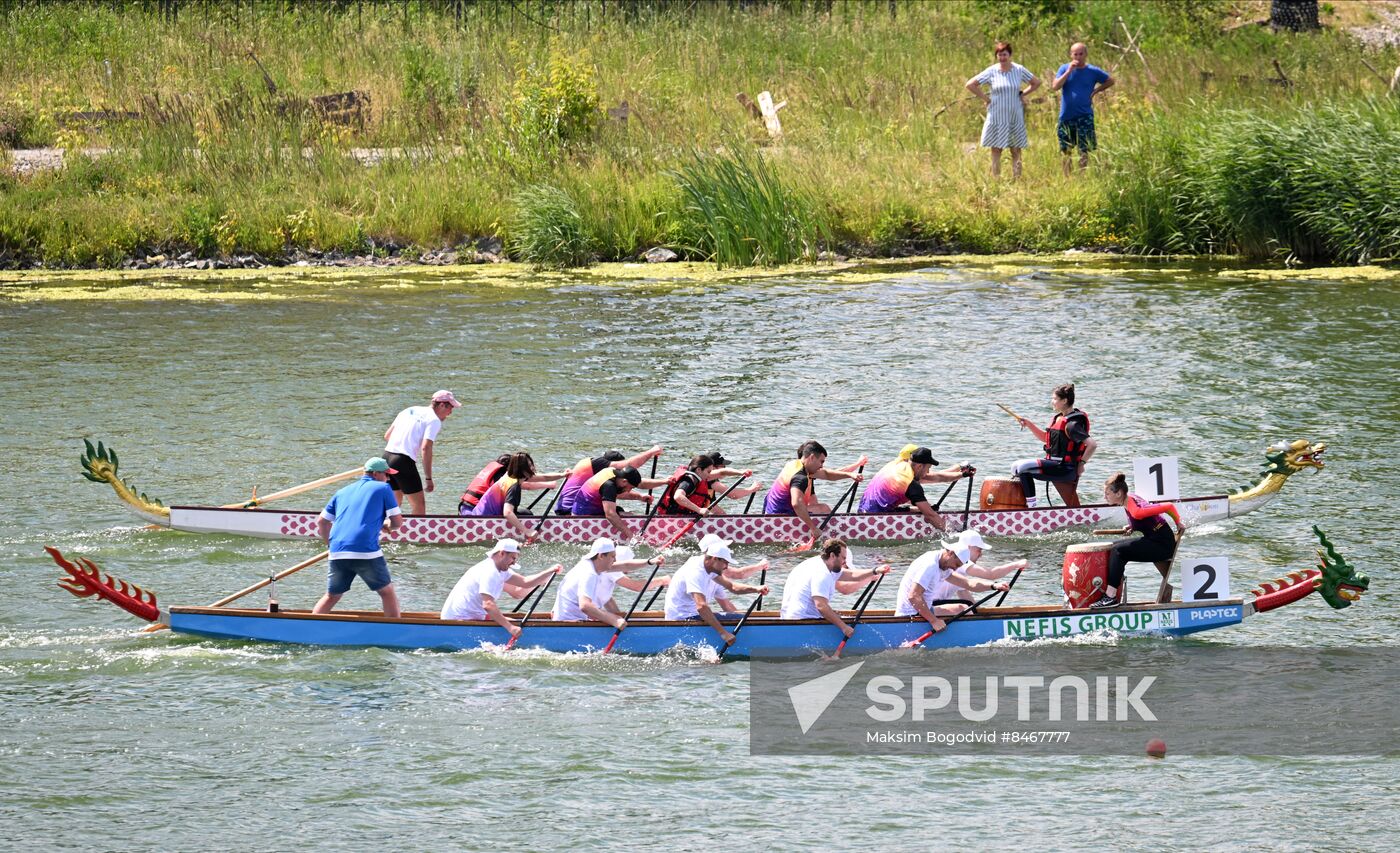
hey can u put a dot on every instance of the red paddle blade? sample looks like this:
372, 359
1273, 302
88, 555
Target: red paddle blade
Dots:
511, 644
914, 644
609, 646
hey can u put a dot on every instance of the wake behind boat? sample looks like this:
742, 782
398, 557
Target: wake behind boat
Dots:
1282, 460
762, 634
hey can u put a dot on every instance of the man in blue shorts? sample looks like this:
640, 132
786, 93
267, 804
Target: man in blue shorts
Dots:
350, 525
1078, 82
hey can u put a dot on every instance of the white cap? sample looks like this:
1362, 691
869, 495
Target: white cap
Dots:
625, 553
601, 546
718, 548
709, 538
972, 539
509, 546
959, 550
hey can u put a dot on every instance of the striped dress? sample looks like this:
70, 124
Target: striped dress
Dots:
1005, 126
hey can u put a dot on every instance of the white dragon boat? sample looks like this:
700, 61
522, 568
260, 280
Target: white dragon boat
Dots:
249, 519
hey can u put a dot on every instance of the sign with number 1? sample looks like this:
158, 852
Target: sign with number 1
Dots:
1205, 579
1155, 478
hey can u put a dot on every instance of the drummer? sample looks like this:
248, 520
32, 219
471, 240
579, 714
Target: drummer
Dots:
794, 492
928, 586
1156, 544
1067, 445
901, 482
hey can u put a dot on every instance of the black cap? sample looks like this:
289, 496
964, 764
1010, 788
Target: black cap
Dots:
718, 458
923, 456
630, 474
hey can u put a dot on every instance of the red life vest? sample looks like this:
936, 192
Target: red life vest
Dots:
700, 497
1058, 444
490, 474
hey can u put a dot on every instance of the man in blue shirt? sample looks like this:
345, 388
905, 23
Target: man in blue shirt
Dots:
351, 525
1078, 82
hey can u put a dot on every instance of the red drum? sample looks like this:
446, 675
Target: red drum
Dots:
1001, 493
1086, 573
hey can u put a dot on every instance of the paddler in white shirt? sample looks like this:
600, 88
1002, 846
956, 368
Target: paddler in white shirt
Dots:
810, 586
734, 573
700, 581
474, 597
924, 581
975, 546
584, 593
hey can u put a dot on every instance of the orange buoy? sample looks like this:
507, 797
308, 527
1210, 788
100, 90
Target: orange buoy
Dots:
1157, 748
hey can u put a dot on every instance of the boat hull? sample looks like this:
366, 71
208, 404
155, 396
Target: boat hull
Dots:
763, 636
744, 529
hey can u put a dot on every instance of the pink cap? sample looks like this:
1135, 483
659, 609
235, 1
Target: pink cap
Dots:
446, 397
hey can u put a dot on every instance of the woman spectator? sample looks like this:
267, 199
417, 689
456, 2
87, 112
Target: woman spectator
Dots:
1005, 126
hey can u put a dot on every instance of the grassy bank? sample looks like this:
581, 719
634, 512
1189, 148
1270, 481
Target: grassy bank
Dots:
503, 108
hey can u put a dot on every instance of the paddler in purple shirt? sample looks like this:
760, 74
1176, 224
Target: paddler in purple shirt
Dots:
901, 482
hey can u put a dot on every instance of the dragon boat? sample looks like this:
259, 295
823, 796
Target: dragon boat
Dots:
1282, 460
761, 634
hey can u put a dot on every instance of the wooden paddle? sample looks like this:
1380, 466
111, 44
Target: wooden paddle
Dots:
868, 596
684, 530
835, 508
633, 609
1012, 414
295, 490
510, 645
762, 581
254, 588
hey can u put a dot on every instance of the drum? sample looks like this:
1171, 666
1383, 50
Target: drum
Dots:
1001, 493
1085, 574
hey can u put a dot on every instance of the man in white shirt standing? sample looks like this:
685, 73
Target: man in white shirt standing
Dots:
474, 597
587, 589
810, 586
408, 441
700, 581
925, 581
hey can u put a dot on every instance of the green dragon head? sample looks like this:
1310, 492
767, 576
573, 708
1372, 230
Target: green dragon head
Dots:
100, 466
1290, 457
1340, 584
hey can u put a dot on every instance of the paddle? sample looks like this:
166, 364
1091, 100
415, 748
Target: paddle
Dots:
295, 490
510, 645
749, 504
651, 513
914, 644
254, 588
633, 609
684, 530
762, 581
868, 596
1012, 414
835, 508
541, 496
967, 504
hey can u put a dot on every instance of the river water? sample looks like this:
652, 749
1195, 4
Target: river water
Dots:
116, 740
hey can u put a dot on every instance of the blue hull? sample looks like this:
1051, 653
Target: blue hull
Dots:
763, 637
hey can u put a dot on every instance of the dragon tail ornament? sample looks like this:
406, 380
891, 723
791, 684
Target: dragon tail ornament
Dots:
100, 466
1334, 579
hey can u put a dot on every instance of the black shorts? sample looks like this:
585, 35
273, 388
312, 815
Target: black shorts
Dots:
407, 480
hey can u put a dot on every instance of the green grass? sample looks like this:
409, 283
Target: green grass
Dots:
493, 104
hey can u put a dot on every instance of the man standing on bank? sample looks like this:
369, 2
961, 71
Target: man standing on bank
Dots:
408, 441
1078, 82
350, 525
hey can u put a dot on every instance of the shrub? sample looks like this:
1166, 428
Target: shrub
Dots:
557, 104
548, 230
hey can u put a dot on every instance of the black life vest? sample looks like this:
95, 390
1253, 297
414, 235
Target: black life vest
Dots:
1058, 444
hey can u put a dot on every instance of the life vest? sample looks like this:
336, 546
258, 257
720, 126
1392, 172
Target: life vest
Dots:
588, 501
490, 474
700, 497
887, 488
779, 498
493, 502
1058, 444
582, 470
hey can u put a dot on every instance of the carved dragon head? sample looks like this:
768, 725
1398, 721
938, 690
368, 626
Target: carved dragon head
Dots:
1340, 584
1289, 457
